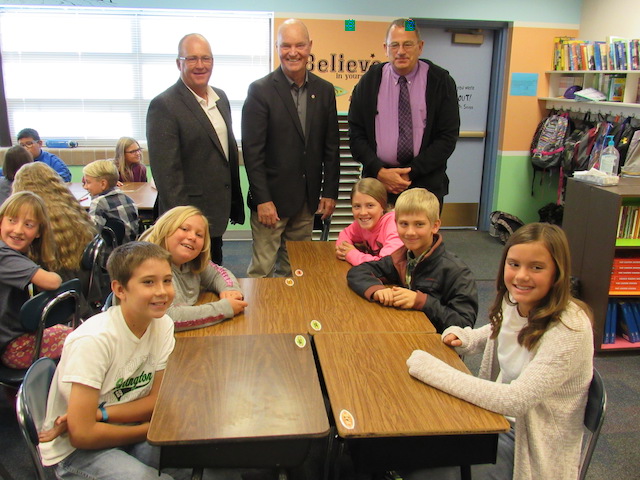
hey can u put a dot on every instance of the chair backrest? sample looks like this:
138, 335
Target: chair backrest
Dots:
94, 261
31, 406
593, 419
51, 308
117, 229
323, 225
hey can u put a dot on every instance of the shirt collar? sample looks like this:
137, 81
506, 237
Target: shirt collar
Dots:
291, 82
409, 76
212, 97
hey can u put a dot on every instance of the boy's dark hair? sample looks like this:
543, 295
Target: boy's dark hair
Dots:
14, 158
29, 133
126, 258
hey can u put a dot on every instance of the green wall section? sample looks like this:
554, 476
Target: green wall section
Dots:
513, 188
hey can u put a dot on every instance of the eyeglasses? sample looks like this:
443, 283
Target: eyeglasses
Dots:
405, 45
134, 152
28, 144
191, 61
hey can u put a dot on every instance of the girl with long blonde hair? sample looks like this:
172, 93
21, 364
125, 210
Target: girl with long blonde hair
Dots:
70, 223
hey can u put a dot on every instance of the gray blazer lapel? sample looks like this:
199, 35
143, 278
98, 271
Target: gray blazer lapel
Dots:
202, 118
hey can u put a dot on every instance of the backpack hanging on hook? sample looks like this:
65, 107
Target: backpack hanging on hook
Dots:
547, 146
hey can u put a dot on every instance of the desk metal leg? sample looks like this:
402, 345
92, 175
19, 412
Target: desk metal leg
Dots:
465, 472
197, 473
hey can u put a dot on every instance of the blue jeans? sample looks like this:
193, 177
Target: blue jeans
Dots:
138, 461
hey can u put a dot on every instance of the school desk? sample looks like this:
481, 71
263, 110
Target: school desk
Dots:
142, 193
307, 305
323, 279
390, 420
239, 401
317, 259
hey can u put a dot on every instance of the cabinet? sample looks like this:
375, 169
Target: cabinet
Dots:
591, 224
627, 108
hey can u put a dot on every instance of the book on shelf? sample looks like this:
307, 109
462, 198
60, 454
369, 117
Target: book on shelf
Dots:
616, 53
616, 88
607, 324
628, 223
627, 326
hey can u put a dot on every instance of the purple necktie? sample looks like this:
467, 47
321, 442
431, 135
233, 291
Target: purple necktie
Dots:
405, 124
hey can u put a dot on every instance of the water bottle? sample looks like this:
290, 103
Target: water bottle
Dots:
610, 158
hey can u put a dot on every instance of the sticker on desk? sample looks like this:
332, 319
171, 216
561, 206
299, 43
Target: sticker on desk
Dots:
316, 325
347, 420
299, 273
300, 341
289, 282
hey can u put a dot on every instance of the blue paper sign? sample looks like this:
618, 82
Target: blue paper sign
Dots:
524, 84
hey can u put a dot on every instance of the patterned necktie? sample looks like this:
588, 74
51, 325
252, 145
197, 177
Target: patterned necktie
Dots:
405, 124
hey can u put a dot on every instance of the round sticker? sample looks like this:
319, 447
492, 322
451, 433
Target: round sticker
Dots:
300, 341
316, 325
299, 273
289, 282
347, 420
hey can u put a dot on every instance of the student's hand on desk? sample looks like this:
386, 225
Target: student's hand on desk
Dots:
119, 184
268, 214
342, 250
59, 427
403, 297
232, 294
452, 340
384, 296
237, 305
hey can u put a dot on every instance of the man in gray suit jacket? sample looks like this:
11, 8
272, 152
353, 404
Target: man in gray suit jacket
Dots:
290, 149
192, 149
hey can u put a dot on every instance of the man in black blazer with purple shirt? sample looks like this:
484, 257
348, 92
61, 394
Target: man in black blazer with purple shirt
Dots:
290, 150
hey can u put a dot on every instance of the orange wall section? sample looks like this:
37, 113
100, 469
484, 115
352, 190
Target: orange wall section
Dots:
531, 52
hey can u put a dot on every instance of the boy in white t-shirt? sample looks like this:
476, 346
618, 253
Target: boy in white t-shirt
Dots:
105, 387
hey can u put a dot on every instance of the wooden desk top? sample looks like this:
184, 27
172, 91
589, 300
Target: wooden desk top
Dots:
317, 259
366, 375
274, 307
238, 388
142, 193
277, 307
329, 299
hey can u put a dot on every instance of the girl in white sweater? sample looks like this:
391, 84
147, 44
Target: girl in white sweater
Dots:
184, 232
537, 363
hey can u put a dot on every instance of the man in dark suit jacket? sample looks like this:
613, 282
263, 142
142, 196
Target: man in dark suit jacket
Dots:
290, 149
192, 149
374, 117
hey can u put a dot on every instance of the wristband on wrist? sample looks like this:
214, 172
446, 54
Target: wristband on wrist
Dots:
105, 415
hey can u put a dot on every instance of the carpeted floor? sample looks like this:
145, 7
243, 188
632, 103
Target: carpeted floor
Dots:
617, 454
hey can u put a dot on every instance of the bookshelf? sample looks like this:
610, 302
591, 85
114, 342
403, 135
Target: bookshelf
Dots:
591, 223
586, 78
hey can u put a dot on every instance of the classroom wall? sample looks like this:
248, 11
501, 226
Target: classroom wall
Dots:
544, 11
600, 19
516, 192
530, 51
